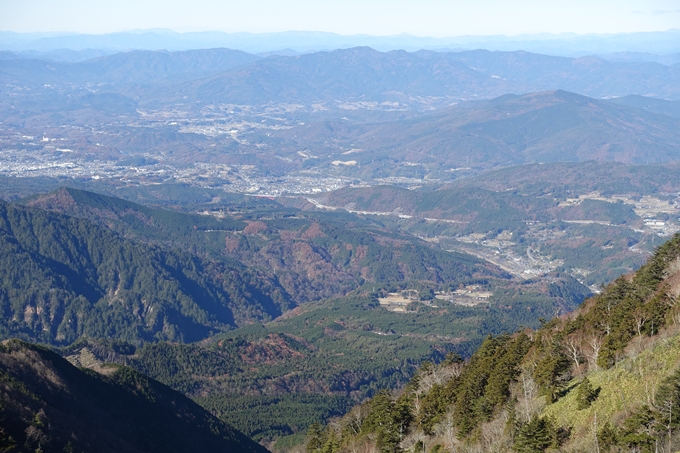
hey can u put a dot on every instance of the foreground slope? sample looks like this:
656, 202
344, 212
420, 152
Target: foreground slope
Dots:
605, 378
50, 405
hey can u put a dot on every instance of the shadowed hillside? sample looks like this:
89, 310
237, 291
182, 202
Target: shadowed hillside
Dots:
50, 405
63, 278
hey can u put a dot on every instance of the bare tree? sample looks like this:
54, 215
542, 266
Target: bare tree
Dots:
640, 318
448, 431
597, 442
356, 418
667, 412
573, 346
595, 344
529, 390
432, 375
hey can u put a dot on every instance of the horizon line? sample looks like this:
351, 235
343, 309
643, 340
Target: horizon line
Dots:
397, 35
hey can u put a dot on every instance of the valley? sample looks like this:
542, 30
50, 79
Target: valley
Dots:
292, 246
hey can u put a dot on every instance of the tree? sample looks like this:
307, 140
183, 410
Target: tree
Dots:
606, 437
389, 420
586, 394
551, 373
314, 438
535, 436
7, 443
572, 344
595, 344
639, 431
332, 445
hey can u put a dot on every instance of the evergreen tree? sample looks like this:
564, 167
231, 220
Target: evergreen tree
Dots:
535, 436
314, 439
586, 394
551, 373
606, 438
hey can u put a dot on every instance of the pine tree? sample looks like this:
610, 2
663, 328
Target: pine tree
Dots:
586, 394
535, 436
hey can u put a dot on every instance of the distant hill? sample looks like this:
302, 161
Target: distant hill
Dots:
64, 55
524, 72
140, 67
50, 405
554, 126
146, 67
662, 106
131, 219
565, 179
542, 186
364, 74
305, 41
595, 236
358, 74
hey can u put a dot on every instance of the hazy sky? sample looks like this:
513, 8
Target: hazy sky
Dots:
376, 17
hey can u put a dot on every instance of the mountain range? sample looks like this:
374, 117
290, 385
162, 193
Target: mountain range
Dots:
124, 271
365, 74
358, 112
393, 208
358, 73
134, 284
568, 44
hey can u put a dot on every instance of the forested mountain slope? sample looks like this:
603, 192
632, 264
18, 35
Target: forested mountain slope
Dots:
139, 222
311, 255
318, 360
63, 278
604, 378
49, 405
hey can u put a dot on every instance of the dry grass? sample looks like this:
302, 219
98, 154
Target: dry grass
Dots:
632, 383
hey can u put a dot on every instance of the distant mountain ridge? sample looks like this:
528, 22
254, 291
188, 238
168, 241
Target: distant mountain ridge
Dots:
139, 67
360, 73
304, 41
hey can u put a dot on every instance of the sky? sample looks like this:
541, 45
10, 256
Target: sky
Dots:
437, 18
